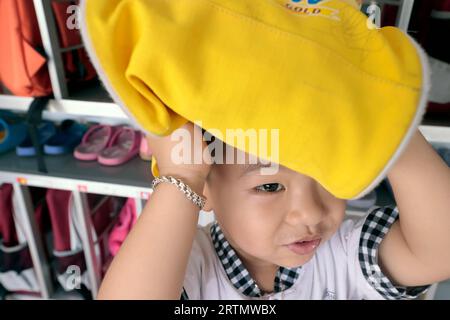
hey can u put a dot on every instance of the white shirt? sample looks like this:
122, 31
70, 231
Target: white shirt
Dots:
344, 267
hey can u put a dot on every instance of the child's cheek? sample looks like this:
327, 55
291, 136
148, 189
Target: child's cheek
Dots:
259, 234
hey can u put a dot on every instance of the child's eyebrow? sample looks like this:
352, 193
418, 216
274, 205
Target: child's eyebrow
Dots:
252, 167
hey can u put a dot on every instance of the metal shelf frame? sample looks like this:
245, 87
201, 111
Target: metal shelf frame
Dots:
76, 185
49, 35
21, 180
405, 10
404, 18
67, 108
34, 240
92, 264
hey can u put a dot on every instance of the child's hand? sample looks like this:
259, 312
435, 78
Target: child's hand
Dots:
190, 172
142, 259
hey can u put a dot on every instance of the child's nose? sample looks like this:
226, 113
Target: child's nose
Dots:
305, 206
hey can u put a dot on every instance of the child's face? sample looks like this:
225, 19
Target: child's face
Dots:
260, 225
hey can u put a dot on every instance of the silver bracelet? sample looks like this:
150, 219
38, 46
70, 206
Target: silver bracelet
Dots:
190, 194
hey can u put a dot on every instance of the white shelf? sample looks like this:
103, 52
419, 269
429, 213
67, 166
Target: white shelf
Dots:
436, 134
79, 109
131, 180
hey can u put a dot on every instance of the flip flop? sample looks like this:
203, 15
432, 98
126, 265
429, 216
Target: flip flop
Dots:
13, 131
144, 151
94, 141
46, 130
123, 147
67, 137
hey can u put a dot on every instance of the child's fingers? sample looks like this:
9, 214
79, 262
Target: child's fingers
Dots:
183, 151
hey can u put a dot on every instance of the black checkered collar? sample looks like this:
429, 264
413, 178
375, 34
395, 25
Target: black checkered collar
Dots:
238, 274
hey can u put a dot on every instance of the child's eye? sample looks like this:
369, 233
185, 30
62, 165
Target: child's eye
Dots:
269, 187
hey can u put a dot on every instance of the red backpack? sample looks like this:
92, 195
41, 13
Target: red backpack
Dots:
22, 57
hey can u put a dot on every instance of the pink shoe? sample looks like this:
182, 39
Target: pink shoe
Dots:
145, 152
94, 141
123, 146
127, 219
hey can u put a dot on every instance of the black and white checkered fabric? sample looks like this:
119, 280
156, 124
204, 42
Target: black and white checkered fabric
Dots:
184, 295
238, 274
376, 226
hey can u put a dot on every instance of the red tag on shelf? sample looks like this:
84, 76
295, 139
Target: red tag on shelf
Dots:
23, 181
82, 188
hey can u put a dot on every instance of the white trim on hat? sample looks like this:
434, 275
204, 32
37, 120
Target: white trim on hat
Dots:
423, 102
94, 59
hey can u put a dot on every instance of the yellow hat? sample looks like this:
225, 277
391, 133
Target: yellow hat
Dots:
345, 96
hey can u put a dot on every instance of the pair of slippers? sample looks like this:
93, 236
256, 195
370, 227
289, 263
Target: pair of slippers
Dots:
109, 145
55, 140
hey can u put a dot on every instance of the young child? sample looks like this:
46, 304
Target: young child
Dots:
347, 99
283, 236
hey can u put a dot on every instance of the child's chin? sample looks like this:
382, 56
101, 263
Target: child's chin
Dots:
295, 262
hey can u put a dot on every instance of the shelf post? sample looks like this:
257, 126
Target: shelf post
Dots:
140, 204
403, 19
82, 211
49, 35
34, 239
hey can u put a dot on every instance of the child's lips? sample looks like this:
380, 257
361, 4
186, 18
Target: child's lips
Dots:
304, 247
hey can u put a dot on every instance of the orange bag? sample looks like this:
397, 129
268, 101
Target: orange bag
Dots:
22, 62
22, 59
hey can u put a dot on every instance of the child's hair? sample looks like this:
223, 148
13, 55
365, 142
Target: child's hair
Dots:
213, 138
208, 142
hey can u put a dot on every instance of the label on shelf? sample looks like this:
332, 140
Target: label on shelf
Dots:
22, 181
82, 188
